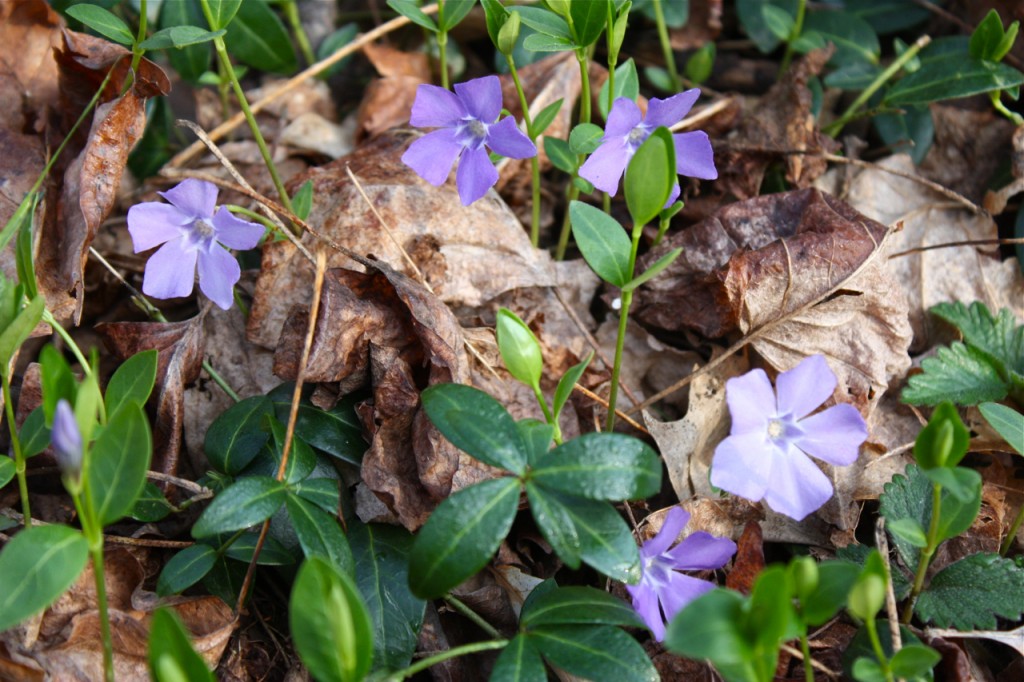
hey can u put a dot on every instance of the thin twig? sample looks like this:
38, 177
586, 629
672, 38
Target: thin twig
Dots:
882, 543
624, 416
817, 665
702, 115
966, 242
190, 486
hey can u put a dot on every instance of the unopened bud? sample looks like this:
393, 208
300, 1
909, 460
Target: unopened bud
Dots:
67, 439
509, 33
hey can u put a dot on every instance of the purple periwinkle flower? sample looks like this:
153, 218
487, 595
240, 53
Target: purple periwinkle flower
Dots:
468, 122
627, 129
663, 591
766, 453
66, 439
190, 231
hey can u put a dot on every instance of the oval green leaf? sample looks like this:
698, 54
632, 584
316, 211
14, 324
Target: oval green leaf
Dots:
247, 502
602, 241
236, 436
319, 533
595, 652
555, 524
650, 177
36, 566
120, 459
519, 348
577, 605
171, 647
103, 22
132, 381
185, 569
602, 466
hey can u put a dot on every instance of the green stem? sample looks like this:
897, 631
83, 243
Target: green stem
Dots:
258, 217
1014, 527
833, 128
137, 52
666, 46
93, 532
663, 224
442, 45
798, 27
926, 553
549, 417
459, 606
291, 15
101, 600
584, 62
876, 646
563, 237
613, 54
49, 319
534, 162
574, 191
620, 339
997, 103
219, 380
19, 457
446, 655
805, 648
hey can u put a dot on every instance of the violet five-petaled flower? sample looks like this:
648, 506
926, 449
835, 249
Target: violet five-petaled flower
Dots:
468, 122
190, 231
766, 453
66, 439
627, 129
663, 591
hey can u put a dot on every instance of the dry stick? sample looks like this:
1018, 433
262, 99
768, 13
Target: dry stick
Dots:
799, 655
757, 333
702, 114
314, 309
187, 154
966, 242
619, 413
882, 543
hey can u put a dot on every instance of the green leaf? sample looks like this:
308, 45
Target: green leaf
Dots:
602, 241
908, 530
19, 329
594, 652
555, 524
382, 576
410, 11
302, 202
120, 459
999, 336
151, 506
132, 382
888, 16
35, 437
961, 483
944, 441
273, 553
835, 578
330, 625
538, 436
567, 383
650, 177
7, 470
910, 132
336, 432
987, 38
627, 84
495, 15
907, 497
179, 37
57, 379
560, 154
958, 510
237, 435
225, 579
519, 348
331, 44
36, 567
868, 670
606, 543
589, 20
185, 569
171, 648
538, 42
245, 503
1007, 422
959, 373
545, 118
914, 661
654, 270
578, 606
853, 76
771, 618
323, 492
223, 12
543, 21
970, 593
861, 647
778, 21
110, 26
519, 662
701, 63
258, 38
455, 11
192, 61
301, 459
319, 533
477, 424
752, 20
602, 466
853, 37
585, 138
952, 77
461, 535
709, 627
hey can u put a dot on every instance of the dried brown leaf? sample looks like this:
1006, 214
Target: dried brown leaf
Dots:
749, 560
388, 100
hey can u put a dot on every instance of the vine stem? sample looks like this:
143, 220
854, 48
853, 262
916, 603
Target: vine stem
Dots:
446, 655
462, 608
534, 161
876, 646
666, 46
805, 648
19, 456
291, 15
926, 553
798, 27
620, 338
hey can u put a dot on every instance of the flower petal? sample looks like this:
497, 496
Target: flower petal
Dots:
805, 387
668, 112
218, 272
694, 156
797, 486
834, 435
171, 271
432, 155
645, 603
751, 402
605, 166
481, 97
436, 107
742, 465
624, 116
236, 233
506, 139
475, 175
197, 198
680, 591
152, 223
701, 551
672, 196
675, 520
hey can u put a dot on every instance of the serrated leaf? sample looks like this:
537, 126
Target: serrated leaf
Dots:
36, 566
319, 533
968, 594
907, 497
602, 466
477, 424
555, 524
169, 645
606, 543
959, 373
999, 336
577, 605
952, 77
258, 38
120, 460
104, 22
132, 381
247, 502
1007, 422
237, 435
185, 569
602, 241
595, 652
519, 662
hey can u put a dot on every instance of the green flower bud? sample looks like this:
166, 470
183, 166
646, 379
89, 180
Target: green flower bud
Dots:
519, 348
509, 33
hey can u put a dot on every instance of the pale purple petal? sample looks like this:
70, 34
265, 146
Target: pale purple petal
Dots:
694, 156
701, 551
66, 438
668, 112
672, 196
171, 271
236, 233
436, 107
481, 97
197, 198
804, 388
624, 116
645, 603
680, 591
218, 272
675, 521
742, 465
798, 487
506, 139
432, 155
751, 402
152, 223
834, 435
605, 166
476, 175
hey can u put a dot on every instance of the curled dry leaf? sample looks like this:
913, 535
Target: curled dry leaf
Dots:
28, 75
749, 561
968, 149
388, 100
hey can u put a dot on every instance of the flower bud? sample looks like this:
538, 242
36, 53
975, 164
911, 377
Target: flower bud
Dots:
66, 439
509, 33
559, 7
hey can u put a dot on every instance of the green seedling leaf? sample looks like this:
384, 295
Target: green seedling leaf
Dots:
461, 535
555, 524
302, 202
111, 26
860, 646
19, 328
711, 627
959, 482
959, 373
538, 42
701, 63
537, 435
578, 606
495, 15
330, 624
35, 437
477, 424
519, 348
868, 592
545, 118
222, 12
588, 20
943, 442
258, 38
654, 270
1007, 422
952, 77
237, 435
410, 11
908, 530
560, 154
771, 618
7, 470
987, 38
606, 543
868, 670
151, 506
132, 381
594, 652
120, 459
913, 661
567, 383
858, 554
627, 84
245, 503
970, 593
185, 569
382, 576
336, 432
319, 534
602, 241
835, 578
853, 37
602, 466
87, 406
36, 567
583, 185
519, 662
192, 61
585, 138
179, 37
650, 177
543, 21
455, 11
171, 649
273, 553
958, 510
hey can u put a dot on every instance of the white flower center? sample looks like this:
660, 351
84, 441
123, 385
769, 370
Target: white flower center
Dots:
776, 428
637, 136
471, 134
203, 230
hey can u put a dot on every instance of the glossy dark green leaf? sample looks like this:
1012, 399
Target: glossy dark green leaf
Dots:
602, 241
888, 16
171, 656
853, 76
151, 506
910, 132
555, 524
952, 77
273, 553
519, 662
853, 37
323, 492
7, 470
455, 11
185, 569
627, 84
602, 466
36, 566
330, 625
560, 154
477, 424
132, 381
337, 431
179, 37
247, 502
120, 459
577, 605
594, 652
103, 22
258, 38
189, 62
589, 20
970, 593
236, 436
650, 177
319, 533
606, 542
1008, 423
538, 436
225, 579
301, 458
461, 535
